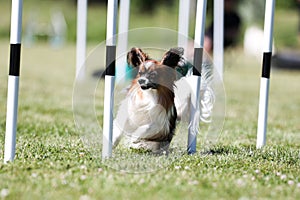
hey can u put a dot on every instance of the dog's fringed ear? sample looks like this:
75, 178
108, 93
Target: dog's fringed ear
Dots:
136, 56
173, 57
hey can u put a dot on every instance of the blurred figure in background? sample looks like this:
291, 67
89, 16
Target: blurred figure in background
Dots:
232, 24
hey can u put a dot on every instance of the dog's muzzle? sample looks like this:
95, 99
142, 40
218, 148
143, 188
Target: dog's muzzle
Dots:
145, 84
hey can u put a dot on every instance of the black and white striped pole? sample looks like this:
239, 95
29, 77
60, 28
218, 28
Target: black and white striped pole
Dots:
13, 80
112, 8
265, 77
196, 77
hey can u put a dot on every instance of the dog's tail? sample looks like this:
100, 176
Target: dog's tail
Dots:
207, 92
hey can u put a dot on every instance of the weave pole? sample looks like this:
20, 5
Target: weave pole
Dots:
123, 39
265, 77
183, 24
196, 77
218, 43
81, 37
13, 80
112, 8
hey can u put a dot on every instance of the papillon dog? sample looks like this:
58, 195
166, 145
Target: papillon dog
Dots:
146, 118
157, 98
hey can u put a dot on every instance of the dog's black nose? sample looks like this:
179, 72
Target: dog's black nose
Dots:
142, 81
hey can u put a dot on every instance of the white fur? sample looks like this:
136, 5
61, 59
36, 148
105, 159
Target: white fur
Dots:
140, 119
148, 64
182, 92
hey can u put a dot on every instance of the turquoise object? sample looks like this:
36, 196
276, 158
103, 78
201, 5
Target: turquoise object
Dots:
183, 70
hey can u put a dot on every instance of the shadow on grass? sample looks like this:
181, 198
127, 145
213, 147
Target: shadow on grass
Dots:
225, 150
273, 153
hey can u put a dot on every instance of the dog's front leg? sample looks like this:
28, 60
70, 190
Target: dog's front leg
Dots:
146, 131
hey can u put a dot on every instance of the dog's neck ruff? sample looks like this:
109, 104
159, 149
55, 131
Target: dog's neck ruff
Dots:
143, 99
144, 110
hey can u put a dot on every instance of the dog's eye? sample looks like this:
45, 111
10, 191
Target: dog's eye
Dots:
140, 73
153, 74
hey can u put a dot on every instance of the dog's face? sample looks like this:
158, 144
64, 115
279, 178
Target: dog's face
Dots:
153, 74
147, 76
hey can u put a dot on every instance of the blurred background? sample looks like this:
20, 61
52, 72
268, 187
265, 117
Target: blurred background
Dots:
39, 18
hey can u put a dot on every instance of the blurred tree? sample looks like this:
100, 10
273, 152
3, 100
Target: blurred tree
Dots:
142, 6
149, 6
93, 1
97, 1
286, 4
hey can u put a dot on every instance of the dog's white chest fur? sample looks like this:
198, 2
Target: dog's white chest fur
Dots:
140, 117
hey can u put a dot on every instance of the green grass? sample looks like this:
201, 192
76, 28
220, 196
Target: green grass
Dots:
53, 163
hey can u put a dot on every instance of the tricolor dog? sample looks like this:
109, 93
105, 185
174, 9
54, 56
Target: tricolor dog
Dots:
147, 117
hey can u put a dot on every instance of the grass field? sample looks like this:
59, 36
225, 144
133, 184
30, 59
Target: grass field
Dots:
52, 162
